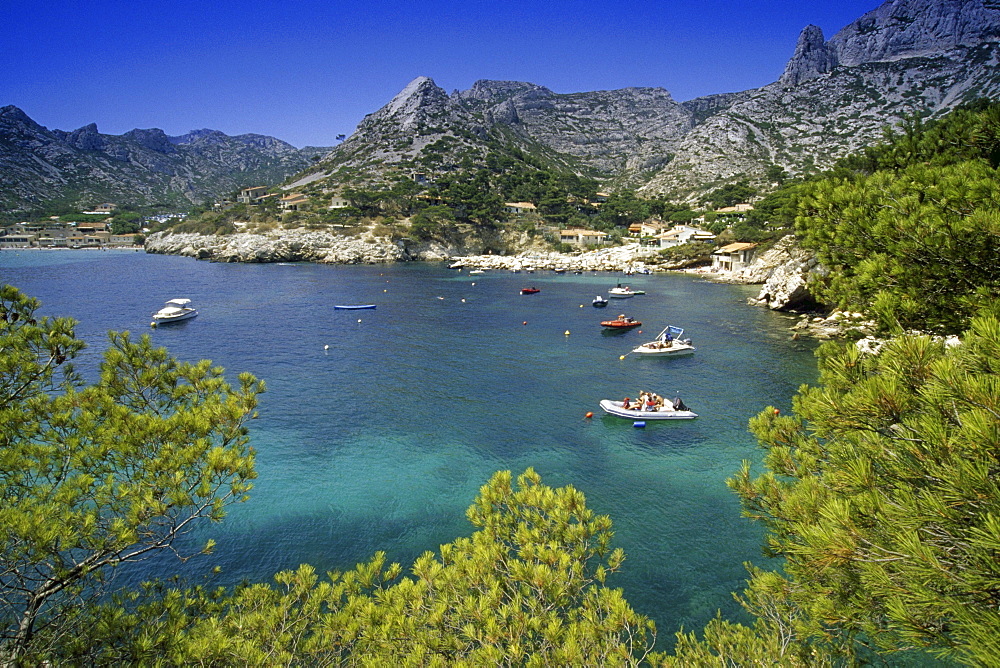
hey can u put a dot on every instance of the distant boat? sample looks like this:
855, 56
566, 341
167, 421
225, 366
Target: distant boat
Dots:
529, 291
620, 292
599, 302
352, 307
621, 322
174, 310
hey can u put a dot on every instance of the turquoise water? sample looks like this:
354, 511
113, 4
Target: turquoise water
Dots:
381, 441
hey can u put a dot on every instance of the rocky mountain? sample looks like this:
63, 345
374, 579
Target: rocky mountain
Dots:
907, 57
41, 167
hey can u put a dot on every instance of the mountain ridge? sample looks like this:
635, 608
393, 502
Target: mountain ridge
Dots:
904, 58
42, 168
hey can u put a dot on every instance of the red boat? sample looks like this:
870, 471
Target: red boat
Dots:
529, 291
621, 322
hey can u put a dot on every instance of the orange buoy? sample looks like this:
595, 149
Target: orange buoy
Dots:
776, 411
589, 415
525, 322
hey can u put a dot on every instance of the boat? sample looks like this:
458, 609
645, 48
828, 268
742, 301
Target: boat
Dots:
621, 322
174, 310
352, 307
621, 292
477, 271
668, 343
529, 291
675, 410
600, 302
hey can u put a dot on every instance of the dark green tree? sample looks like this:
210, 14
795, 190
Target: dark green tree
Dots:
882, 497
96, 476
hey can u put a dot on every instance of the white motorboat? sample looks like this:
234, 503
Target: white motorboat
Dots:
669, 343
174, 310
621, 292
675, 410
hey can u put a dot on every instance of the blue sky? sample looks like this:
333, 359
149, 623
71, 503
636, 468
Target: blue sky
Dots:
305, 72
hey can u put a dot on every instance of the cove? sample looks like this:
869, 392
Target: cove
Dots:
379, 426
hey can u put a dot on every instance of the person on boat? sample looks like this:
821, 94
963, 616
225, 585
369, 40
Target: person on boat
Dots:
657, 401
626, 405
650, 402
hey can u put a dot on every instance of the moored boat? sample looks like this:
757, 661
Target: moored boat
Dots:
621, 322
353, 307
529, 291
622, 292
175, 310
599, 302
668, 343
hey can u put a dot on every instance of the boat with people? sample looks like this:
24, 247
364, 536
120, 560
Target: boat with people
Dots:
648, 406
621, 322
529, 291
599, 302
353, 307
175, 310
668, 343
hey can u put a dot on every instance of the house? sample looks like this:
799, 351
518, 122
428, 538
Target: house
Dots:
683, 234
107, 207
520, 208
292, 202
580, 237
733, 257
251, 195
17, 240
123, 239
338, 202
647, 229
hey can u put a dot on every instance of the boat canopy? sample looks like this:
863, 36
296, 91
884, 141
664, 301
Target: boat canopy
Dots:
178, 302
675, 333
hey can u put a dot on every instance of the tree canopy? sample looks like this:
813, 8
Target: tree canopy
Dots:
910, 230
882, 497
94, 476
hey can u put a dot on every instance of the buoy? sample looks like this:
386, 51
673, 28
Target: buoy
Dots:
640, 424
473, 282
525, 322
153, 324
359, 320
463, 300
385, 291
326, 347
589, 415
776, 411
581, 305
621, 357
566, 333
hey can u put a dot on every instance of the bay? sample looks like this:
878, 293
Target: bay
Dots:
378, 427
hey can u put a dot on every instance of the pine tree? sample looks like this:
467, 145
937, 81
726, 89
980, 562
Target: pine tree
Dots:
94, 476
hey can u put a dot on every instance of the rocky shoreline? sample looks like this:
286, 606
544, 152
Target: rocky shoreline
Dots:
783, 271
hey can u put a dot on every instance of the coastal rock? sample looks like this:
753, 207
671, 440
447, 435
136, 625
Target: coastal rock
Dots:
283, 246
784, 270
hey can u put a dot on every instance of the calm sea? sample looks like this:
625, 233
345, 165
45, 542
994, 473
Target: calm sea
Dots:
382, 440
